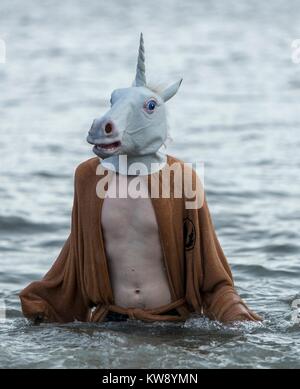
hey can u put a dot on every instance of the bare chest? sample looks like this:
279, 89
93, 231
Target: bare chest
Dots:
128, 217
133, 250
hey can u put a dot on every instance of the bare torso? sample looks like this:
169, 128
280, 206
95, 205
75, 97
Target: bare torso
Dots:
133, 251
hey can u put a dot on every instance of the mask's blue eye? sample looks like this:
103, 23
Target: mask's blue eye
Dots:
150, 106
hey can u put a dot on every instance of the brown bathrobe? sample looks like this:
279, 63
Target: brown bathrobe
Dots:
77, 287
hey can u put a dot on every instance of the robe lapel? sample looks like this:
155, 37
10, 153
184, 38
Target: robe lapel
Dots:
99, 260
164, 217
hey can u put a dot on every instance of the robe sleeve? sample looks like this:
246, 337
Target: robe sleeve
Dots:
220, 299
60, 295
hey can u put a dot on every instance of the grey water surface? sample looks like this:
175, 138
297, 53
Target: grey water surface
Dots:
237, 111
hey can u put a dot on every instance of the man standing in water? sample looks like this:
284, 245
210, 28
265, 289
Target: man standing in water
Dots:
140, 258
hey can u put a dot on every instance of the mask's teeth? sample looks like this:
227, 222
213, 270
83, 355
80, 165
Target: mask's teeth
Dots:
110, 146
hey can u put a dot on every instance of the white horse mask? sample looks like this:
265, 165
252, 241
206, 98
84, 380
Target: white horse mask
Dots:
135, 127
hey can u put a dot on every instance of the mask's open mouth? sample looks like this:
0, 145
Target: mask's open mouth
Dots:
108, 147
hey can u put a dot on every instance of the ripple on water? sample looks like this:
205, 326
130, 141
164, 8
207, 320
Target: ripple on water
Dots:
17, 224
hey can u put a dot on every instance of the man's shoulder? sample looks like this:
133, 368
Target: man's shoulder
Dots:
171, 160
87, 168
179, 162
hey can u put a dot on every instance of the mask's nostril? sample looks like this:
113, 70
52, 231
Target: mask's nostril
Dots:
108, 128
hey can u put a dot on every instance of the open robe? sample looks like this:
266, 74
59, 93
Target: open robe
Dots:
77, 287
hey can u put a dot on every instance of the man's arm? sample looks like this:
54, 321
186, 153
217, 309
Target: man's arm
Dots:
60, 295
220, 299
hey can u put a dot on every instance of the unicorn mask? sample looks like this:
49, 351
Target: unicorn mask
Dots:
135, 126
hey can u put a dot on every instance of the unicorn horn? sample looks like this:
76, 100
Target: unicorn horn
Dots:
140, 78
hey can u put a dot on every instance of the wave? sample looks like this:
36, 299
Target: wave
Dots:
281, 248
17, 224
262, 271
245, 126
45, 174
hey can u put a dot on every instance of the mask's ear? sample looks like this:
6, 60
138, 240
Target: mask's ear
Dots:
171, 90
